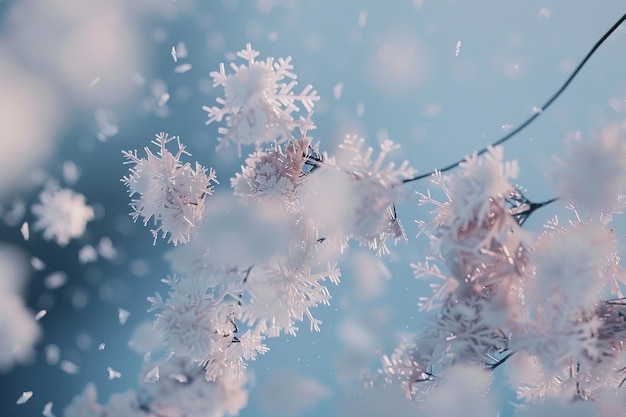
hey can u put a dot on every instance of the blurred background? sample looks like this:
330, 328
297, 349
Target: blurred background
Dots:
81, 81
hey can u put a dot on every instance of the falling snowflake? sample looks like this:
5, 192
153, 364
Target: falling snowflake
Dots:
62, 215
259, 101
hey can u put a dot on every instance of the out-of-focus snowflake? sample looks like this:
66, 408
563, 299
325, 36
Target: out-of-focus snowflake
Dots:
593, 177
181, 390
259, 101
85, 404
170, 192
62, 214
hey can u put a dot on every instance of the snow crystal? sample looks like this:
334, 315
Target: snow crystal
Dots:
113, 373
182, 68
122, 315
40, 314
55, 280
47, 410
152, 376
26, 395
87, 254
53, 354
337, 90
69, 367
24, 230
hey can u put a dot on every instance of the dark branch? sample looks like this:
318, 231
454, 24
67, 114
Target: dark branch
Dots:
539, 111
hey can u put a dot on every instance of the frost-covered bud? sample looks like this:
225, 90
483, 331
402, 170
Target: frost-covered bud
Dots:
593, 176
62, 215
170, 192
259, 101
273, 175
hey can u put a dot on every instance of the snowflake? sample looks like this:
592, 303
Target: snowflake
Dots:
259, 103
170, 192
62, 215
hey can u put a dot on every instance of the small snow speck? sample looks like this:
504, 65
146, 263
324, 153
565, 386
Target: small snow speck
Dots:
55, 280
337, 90
362, 18
101, 346
69, 367
25, 231
24, 397
122, 315
152, 376
182, 68
40, 314
113, 373
47, 410
94, 82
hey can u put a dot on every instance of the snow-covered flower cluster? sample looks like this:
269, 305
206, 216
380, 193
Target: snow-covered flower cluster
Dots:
550, 306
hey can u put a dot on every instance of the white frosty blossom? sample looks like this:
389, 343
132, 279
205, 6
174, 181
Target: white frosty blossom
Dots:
170, 192
259, 101
198, 322
62, 215
354, 196
181, 390
594, 174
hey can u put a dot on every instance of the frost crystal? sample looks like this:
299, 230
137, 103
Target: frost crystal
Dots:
170, 192
62, 215
259, 101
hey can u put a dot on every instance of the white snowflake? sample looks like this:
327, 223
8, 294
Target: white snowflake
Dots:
170, 192
259, 101
62, 215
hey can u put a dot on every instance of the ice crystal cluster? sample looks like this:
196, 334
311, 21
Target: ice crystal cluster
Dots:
549, 308
254, 263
